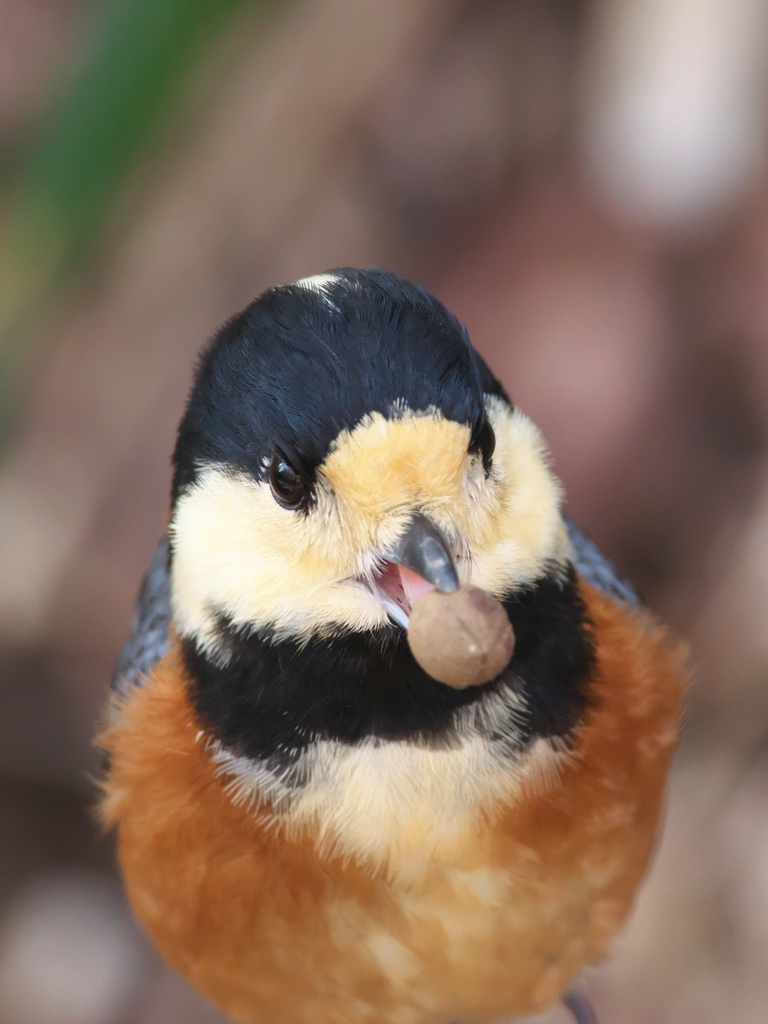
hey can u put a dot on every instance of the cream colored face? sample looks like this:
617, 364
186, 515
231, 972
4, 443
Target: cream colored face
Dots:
239, 553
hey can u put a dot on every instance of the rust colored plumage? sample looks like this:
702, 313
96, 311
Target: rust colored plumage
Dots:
272, 932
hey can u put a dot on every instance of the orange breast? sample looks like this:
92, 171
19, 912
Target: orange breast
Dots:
273, 933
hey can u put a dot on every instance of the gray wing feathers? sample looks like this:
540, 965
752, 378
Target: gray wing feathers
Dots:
596, 569
148, 641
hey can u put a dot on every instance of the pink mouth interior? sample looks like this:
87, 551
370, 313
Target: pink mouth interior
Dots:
401, 585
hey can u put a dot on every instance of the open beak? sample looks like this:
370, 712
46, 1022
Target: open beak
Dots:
418, 562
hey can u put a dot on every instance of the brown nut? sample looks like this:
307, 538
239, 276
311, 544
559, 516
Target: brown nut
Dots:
461, 639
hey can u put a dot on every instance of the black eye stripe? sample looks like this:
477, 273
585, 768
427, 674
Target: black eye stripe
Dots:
484, 443
487, 442
288, 488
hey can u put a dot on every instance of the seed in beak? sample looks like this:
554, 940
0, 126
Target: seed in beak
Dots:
463, 638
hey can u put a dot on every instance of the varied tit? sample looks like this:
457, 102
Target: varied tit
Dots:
311, 828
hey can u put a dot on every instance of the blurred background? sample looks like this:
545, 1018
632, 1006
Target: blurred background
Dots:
583, 182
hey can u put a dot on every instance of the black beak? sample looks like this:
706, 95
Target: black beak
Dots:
424, 550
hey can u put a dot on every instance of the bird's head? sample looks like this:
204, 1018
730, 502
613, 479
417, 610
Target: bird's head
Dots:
344, 449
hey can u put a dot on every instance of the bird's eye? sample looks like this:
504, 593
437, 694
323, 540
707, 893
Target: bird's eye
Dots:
287, 486
485, 443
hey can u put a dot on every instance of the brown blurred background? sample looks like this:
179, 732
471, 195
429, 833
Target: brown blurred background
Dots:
583, 182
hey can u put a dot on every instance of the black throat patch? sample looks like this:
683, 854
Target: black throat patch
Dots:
274, 698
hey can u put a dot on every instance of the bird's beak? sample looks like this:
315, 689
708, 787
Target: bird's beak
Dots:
424, 550
419, 561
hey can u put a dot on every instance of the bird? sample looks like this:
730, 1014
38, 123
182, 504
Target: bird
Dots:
309, 826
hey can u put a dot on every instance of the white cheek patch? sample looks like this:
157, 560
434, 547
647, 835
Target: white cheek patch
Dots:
519, 532
236, 551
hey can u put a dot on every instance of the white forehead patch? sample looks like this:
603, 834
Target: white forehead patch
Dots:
319, 283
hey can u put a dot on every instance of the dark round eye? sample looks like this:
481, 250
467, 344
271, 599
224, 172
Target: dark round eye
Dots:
485, 443
287, 486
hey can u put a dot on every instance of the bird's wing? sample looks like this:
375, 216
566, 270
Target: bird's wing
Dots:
148, 641
596, 569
